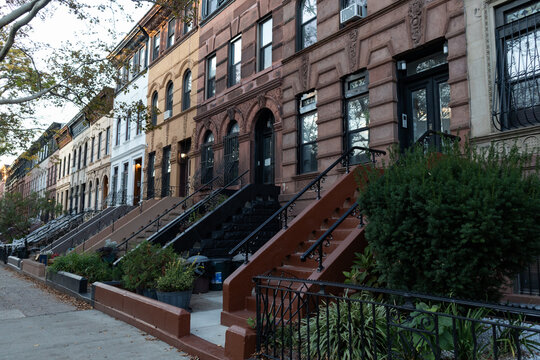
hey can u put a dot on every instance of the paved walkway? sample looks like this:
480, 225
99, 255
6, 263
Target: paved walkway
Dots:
35, 324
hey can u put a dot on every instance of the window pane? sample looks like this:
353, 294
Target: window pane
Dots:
522, 12
266, 32
358, 113
266, 57
309, 128
309, 158
444, 99
309, 33
360, 138
419, 112
211, 6
212, 67
309, 10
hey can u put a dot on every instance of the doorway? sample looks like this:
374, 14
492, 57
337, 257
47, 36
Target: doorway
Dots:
137, 182
183, 159
264, 148
424, 98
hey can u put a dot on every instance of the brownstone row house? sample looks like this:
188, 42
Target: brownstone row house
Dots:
172, 66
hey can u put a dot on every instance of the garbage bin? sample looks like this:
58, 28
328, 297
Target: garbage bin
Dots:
220, 270
202, 281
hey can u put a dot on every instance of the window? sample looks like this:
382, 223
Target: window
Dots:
207, 158
114, 185
68, 162
118, 130
123, 199
308, 23
209, 6
154, 110
188, 19
307, 151
92, 149
265, 44
136, 65
128, 125
151, 173
85, 153
64, 168
74, 158
518, 65
211, 76
155, 52
186, 93
80, 156
170, 32
356, 131
166, 172
235, 61
231, 152
138, 128
107, 140
169, 100
142, 58
99, 146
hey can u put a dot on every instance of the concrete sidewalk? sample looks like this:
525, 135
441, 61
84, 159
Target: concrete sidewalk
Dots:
35, 324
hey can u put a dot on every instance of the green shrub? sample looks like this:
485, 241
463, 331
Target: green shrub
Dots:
459, 223
179, 276
90, 266
144, 265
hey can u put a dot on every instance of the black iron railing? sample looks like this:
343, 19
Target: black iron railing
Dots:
156, 222
435, 139
283, 213
324, 240
302, 319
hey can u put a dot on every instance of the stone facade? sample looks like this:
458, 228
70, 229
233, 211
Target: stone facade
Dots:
173, 130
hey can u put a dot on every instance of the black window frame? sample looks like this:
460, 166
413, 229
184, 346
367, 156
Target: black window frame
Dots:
507, 114
351, 93
186, 90
211, 80
169, 95
305, 110
231, 151
262, 47
128, 126
206, 13
154, 108
151, 175
235, 68
99, 145
92, 149
85, 158
171, 36
156, 44
301, 25
207, 157
107, 140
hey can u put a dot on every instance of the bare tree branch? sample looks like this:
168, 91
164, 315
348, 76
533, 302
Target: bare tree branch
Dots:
17, 13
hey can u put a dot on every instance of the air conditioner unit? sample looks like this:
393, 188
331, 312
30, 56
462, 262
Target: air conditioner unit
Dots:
353, 12
167, 114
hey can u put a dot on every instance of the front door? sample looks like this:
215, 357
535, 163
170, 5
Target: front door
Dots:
137, 181
264, 149
425, 98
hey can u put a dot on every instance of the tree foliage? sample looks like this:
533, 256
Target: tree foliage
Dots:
456, 224
17, 213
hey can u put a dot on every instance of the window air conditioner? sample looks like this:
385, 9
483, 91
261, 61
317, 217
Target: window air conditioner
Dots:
167, 114
353, 12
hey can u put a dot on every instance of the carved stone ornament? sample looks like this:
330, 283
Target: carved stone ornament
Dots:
353, 37
415, 19
261, 100
230, 113
305, 71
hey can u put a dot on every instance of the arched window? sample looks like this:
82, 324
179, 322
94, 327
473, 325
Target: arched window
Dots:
308, 23
231, 152
154, 108
186, 92
207, 158
169, 100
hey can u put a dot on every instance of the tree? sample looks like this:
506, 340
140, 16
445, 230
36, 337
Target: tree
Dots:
17, 213
458, 224
75, 73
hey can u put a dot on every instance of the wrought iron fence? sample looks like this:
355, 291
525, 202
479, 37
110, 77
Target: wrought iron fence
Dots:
301, 319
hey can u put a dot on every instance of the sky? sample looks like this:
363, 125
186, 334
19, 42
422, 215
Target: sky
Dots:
62, 26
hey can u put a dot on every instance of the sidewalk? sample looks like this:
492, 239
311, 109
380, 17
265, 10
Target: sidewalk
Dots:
35, 324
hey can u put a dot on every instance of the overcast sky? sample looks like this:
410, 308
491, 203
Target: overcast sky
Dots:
61, 27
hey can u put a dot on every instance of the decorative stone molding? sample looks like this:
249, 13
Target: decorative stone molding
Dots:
261, 100
230, 113
305, 71
415, 20
353, 39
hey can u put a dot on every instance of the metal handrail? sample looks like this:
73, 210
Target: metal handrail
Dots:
207, 199
328, 236
343, 159
156, 220
441, 134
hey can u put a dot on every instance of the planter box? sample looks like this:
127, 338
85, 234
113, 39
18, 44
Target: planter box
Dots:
15, 262
179, 299
33, 268
72, 282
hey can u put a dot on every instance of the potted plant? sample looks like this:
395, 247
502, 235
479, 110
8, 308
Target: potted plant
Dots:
175, 286
143, 266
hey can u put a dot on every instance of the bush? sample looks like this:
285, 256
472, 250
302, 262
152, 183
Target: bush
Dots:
455, 224
144, 265
178, 276
90, 266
